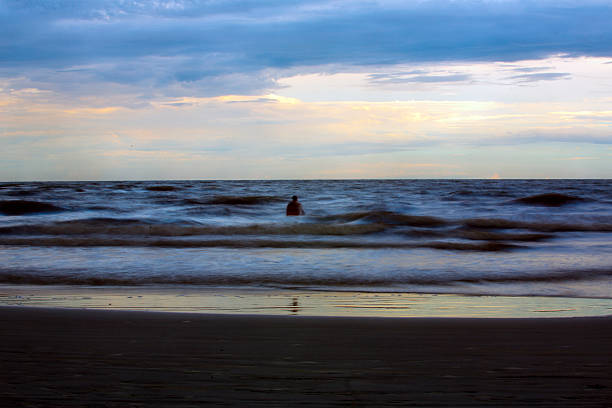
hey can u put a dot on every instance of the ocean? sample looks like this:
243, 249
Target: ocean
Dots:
525, 238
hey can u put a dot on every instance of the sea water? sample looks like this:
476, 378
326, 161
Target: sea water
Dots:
470, 237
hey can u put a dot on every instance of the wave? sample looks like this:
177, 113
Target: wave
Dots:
479, 235
21, 193
471, 226
246, 243
348, 224
133, 227
122, 186
495, 223
388, 218
24, 207
333, 281
162, 188
551, 276
549, 199
244, 200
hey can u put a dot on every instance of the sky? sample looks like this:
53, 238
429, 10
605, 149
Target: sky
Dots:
288, 89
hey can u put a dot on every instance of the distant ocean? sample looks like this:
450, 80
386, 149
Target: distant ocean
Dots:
493, 237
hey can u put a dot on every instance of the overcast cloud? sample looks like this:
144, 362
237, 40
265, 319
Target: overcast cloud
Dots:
99, 89
173, 43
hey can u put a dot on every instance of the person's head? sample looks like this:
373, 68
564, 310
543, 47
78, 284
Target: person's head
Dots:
294, 198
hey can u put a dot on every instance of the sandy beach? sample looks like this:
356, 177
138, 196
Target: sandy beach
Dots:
74, 358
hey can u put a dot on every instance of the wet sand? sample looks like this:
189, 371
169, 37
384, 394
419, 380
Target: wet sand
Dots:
299, 302
76, 358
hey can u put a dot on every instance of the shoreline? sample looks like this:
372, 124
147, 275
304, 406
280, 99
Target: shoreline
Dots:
57, 357
296, 302
300, 302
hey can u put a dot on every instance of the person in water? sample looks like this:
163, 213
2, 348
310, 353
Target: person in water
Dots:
295, 207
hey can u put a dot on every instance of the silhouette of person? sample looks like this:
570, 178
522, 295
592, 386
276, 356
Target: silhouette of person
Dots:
295, 207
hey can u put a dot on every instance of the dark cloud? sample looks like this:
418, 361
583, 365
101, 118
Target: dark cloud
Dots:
190, 43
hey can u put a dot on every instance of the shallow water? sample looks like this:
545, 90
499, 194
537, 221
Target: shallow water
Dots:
494, 237
295, 302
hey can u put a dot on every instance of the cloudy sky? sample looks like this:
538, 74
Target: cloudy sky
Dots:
287, 89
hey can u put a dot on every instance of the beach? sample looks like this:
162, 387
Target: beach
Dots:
56, 357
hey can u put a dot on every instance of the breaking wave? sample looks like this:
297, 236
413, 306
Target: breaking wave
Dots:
493, 223
246, 243
122, 227
388, 218
373, 229
292, 280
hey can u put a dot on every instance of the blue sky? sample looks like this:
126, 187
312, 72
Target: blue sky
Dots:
305, 89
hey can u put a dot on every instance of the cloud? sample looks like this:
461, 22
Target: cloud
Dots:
604, 117
418, 76
574, 135
530, 69
201, 47
282, 137
548, 76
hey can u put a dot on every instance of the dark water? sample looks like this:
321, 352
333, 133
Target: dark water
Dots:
510, 237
